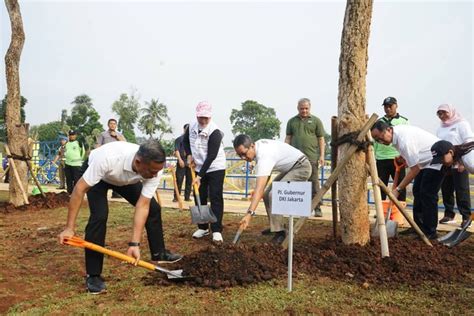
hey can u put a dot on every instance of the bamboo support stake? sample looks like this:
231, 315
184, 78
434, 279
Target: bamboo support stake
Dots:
23, 151
5, 172
334, 185
16, 175
378, 199
327, 185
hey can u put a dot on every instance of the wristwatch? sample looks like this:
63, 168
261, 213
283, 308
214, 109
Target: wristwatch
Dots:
133, 244
252, 213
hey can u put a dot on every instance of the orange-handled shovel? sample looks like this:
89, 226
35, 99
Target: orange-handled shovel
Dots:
80, 243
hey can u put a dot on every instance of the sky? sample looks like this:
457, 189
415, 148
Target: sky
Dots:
227, 52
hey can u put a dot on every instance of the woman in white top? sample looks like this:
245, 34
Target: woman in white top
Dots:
457, 131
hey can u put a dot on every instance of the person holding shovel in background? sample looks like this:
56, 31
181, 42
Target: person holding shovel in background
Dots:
205, 150
414, 145
271, 155
132, 171
455, 129
182, 168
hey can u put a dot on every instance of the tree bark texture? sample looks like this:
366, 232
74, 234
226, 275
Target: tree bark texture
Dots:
17, 133
352, 181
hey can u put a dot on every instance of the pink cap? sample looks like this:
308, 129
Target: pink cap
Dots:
204, 109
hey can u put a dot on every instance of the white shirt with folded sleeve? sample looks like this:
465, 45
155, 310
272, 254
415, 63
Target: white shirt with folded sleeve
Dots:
272, 154
112, 163
414, 145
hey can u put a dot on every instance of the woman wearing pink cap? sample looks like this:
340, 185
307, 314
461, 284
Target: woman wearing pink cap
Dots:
203, 146
456, 130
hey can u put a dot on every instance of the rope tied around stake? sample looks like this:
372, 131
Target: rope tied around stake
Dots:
18, 157
351, 138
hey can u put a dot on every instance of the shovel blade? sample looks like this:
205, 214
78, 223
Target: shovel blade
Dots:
237, 237
390, 226
460, 238
202, 215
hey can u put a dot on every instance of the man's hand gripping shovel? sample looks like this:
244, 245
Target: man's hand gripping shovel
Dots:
244, 223
80, 243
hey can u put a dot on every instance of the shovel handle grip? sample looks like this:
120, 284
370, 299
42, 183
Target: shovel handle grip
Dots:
80, 243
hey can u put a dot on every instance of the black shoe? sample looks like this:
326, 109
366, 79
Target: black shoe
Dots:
317, 213
467, 222
188, 200
409, 231
95, 284
267, 232
447, 220
279, 237
432, 236
175, 200
166, 257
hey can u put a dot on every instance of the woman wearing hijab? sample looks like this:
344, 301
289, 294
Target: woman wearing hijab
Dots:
203, 145
456, 130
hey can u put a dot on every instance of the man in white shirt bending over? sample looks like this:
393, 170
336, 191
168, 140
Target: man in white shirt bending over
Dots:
132, 171
271, 155
414, 145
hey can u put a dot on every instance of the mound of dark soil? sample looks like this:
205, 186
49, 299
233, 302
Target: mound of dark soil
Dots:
37, 202
411, 263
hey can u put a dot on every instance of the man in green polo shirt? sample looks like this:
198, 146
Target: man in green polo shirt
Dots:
74, 155
385, 154
306, 133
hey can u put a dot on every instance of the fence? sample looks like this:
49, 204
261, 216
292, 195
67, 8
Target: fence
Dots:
239, 178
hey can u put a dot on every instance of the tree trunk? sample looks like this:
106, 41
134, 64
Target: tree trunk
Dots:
17, 133
351, 112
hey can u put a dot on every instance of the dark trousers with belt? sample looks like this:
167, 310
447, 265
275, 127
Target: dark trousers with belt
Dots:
73, 174
425, 204
97, 225
212, 188
385, 170
458, 182
180, 174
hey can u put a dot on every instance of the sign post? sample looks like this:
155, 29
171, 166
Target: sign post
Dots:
291, 199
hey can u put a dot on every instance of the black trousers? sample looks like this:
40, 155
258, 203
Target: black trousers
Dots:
425, 204
385, 169
180, 174
97, 226
212, 188
73, 174
458, 182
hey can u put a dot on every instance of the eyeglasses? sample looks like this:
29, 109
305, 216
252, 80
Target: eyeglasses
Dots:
243, 155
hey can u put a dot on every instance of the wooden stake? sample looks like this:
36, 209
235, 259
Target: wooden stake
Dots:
378, 199
333, 167
5, 172
327, 185
23, 151
16, 175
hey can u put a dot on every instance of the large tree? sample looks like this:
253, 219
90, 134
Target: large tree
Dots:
154, 119
3, 111
17, 133
127, 108
84, 119
351, 116
255, 120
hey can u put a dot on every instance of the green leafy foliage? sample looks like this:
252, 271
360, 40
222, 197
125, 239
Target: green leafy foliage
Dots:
84, 119
154, 119
48, 131
127, 109
255, 120
168, 146
3, 110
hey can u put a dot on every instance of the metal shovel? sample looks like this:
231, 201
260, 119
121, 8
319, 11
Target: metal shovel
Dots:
78, 242
238, 234
200, 214
457, 236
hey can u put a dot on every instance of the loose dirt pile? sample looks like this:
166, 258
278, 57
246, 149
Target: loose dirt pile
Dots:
411, 263
37, 202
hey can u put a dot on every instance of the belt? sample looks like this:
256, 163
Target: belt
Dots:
300, 160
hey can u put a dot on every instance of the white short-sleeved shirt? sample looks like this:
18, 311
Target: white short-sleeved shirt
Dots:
457, 134
273, 154
414, 145
112, 163
468, 161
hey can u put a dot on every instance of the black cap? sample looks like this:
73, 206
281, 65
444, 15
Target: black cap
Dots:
439, 149
389, 101
72, 132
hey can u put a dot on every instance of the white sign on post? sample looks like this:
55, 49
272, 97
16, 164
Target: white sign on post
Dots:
293, 199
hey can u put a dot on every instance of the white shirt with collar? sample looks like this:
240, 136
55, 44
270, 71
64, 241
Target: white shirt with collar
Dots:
414, 145
112, 163
198, 140
272, 154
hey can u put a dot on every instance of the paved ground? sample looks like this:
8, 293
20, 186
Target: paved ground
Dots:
237, 205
